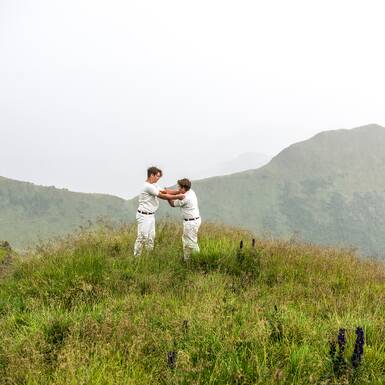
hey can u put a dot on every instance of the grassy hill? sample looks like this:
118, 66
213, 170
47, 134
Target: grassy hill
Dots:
329, 189
29, 212
85, 311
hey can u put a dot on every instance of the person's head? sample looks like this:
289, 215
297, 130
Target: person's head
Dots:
154, 174
184, 185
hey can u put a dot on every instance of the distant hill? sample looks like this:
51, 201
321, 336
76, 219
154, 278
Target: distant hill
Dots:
329, 189
29, 212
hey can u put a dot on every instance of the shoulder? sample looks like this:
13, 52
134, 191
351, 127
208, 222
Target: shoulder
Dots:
150, 188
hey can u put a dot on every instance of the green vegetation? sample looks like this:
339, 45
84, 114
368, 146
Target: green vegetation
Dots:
3, 254
83, 310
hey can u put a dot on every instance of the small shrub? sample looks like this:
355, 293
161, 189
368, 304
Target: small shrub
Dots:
55, 333
276, 325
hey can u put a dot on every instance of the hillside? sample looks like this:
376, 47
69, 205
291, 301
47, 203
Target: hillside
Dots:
329, 189
29, 212
85, 311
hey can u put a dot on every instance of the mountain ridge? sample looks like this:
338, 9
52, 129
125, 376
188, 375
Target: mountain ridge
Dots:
329, 189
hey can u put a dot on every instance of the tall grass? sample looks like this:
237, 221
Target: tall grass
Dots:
85, 311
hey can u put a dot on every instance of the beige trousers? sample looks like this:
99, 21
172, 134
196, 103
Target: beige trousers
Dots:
146, 233
190, 237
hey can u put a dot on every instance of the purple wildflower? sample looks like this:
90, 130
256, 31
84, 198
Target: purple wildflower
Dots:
341, 340
358, 348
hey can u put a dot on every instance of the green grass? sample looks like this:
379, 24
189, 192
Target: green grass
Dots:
3, 255
85, 311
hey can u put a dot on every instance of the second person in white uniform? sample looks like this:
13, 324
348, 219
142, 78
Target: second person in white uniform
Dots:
191, 216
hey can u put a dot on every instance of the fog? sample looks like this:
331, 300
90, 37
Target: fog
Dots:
94, 92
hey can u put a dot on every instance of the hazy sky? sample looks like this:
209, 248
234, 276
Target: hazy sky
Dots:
92, 92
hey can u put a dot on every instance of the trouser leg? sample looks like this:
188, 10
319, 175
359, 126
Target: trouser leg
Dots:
140, 238
146, 233
190, 237
151, 233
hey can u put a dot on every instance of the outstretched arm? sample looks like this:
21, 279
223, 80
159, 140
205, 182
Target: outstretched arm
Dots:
170, 191
170, 196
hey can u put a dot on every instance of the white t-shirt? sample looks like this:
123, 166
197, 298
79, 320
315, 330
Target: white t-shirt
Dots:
189, 205
148, 198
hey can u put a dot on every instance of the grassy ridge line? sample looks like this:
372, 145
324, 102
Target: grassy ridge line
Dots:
84, 311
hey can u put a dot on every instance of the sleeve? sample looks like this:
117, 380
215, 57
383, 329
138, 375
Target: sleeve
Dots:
152, 190
179, 203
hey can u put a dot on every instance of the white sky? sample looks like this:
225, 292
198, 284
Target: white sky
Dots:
92, 92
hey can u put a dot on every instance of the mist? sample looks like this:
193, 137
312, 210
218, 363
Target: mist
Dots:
92, 93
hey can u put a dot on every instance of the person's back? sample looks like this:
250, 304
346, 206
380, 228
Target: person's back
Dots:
189, 205
191, 217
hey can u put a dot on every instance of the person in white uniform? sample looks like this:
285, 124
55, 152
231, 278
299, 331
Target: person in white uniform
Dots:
148, 205
191, 217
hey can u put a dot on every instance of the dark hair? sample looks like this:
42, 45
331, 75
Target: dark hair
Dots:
153, 171
184, 183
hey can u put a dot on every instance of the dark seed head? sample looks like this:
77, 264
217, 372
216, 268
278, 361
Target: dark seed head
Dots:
332, 349
171, 359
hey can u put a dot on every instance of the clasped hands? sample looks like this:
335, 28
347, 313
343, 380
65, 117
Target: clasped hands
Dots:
176, 193
170, 195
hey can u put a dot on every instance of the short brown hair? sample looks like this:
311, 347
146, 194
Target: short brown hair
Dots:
184, 183
153, 171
